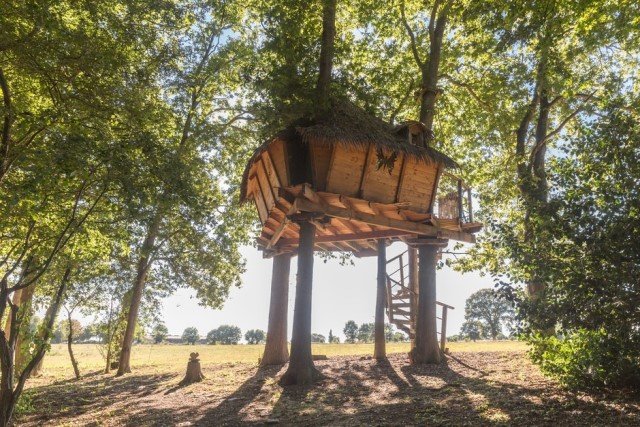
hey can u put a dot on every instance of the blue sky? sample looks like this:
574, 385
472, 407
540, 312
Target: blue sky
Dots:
340, 293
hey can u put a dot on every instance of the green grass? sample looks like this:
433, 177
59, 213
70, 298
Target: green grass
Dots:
166, 357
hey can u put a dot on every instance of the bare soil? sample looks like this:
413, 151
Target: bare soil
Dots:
480, 388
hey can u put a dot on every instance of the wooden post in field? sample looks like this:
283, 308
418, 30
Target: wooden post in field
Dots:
443, 329
427, 349
301, 369
380, 351
276, 351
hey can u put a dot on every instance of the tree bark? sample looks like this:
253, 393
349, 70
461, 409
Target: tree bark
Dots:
380, 351
144, 264
301, 369
427, 350
21, 354
413, 285
8, 394
74, 363
326, 53
194, 371
276, 351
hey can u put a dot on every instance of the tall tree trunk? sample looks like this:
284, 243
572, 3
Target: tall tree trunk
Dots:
326, 54
380, 351
25, 304
8, 394
74, 363
276, 351
144, 263
427, 350
301, 369
413, 285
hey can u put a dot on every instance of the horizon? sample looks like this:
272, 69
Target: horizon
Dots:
340, 293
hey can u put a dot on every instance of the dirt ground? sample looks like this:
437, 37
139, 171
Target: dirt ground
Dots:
479, 388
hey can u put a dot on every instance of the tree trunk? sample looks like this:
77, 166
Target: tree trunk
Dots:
276, 351
301, 369
326, 53
429, 71
413, 298
21, 353
427, 350
194, 371
74, 363
380, 351
144, 264
8, 394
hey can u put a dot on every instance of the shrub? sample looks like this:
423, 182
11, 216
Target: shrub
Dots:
589, 359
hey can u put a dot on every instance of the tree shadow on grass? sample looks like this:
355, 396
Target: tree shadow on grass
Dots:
228, 412
93, 393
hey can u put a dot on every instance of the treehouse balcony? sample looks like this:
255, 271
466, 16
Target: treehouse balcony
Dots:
361, 179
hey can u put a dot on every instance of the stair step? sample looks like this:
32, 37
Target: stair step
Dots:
400, 304
399, 311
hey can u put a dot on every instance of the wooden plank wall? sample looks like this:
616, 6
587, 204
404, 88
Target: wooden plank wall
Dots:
345, 172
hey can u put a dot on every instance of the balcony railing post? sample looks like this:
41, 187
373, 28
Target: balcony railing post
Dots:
460, 211
469, 205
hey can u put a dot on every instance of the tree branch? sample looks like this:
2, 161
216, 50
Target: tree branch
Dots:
412, 37
558, 129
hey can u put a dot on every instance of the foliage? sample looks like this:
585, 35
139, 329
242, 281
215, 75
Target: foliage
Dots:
190, 335
350, 331
588, 358
318, 338
365, 332
225, 334
255, 336
159, 332
491, 310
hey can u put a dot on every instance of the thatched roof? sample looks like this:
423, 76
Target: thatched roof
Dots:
350, 125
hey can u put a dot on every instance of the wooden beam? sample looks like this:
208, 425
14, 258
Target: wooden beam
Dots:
407, 226
350, 237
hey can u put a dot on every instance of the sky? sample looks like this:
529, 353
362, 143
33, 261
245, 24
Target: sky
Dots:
340, 293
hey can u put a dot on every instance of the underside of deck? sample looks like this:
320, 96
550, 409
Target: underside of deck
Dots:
349, 224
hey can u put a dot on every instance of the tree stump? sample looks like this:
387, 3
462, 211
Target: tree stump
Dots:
194, 373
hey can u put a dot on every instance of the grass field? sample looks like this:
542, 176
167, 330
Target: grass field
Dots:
167, 356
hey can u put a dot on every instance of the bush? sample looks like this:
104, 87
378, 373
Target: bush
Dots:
589, 359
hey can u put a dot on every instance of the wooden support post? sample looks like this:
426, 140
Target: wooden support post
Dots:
443, 329
469, 205
427, 349
301, 369
460, 211
276, 351
413, 285
380, 351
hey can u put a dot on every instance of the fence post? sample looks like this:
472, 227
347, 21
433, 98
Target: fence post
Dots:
443, 329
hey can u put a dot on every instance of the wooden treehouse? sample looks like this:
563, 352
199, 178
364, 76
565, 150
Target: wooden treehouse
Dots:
350, 182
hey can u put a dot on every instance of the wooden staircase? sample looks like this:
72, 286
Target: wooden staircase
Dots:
401, 301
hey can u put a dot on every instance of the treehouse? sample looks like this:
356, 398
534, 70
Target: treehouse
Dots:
347, 181
365, 180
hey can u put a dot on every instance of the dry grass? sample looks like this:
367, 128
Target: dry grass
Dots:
480, 384
168, 356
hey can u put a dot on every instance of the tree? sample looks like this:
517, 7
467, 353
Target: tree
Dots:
490, 309
350, 331
189, 231
255, 336
473, 329
159, 332
330, 336
190, 335
318, 338
224, 334
365, 332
